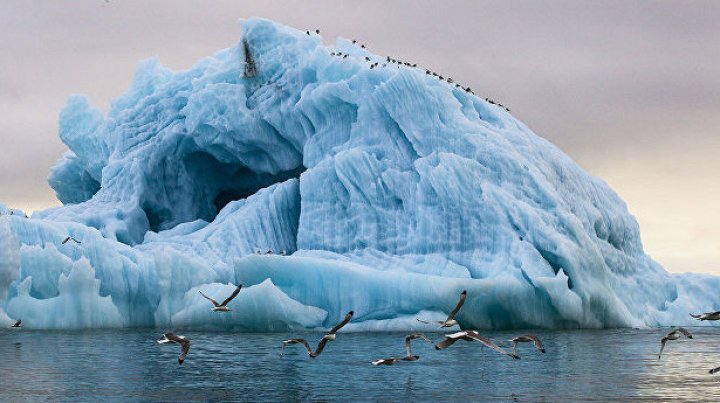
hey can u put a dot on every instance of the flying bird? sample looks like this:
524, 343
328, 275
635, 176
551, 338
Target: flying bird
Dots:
408, 348
714, 370
183, 341
450, 322
674, 335
311, 353
330, 336
408, 351
18, 323
526, 339
222, 307
471, 335
70, 238
707, 316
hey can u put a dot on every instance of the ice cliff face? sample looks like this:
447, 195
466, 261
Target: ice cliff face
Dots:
393, 191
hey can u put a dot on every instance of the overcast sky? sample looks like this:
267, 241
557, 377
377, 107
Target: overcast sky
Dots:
630, 90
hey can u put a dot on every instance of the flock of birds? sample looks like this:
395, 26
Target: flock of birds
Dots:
679, 332
331, 335
399, 63
450, 339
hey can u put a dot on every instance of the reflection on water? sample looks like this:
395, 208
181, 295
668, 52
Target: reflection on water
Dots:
128, 365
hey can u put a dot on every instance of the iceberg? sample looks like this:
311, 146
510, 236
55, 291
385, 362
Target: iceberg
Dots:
390, 191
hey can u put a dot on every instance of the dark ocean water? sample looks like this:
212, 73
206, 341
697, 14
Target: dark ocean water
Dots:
128, 365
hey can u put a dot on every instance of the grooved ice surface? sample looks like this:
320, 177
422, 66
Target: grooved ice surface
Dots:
392, 190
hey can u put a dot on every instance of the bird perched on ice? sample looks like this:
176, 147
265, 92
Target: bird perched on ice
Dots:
183, 341
526, 339
674, 335
450, 322
222, 307
330, 336
17, 324
408, 351
472, 335
707, 316
70, 238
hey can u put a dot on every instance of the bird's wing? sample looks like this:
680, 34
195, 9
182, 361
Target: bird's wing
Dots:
175, 338
695, 316
449, 341
536, 341
662, 346
714, 370
413, 336
459, 305
341, 324
385, 361
715, 313
65, 240
419, 336
302, 341
210, 299
233, 295
487, 342
685, 332
185, 343
321, 345
423, 321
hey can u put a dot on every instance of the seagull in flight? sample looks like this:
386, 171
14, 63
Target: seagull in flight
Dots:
674, 335
183, 341
526, 339
330, 336
408, 351
70, 238
17, 324
222, 307
450, 322
707, 316
471, 335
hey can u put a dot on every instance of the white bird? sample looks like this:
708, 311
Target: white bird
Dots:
222, 307
526, 339
707, 316
408, 351
183, 341
330, 336
674, 335
450, 322
70, 238
471, 335
17, 324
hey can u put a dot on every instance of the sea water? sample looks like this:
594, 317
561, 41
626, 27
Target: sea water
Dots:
129, 365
